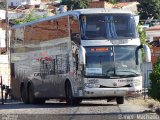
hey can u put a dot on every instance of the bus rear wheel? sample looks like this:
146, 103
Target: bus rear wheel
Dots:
120, 100
32, 99
31, 96
69, 96
40, 101
24, 95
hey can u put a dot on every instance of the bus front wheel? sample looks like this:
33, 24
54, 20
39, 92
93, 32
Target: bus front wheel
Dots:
69, 95
31, 94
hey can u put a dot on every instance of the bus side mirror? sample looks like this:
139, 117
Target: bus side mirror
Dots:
147, 53
136, 17
82, 54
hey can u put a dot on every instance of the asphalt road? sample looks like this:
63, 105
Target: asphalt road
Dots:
88, 110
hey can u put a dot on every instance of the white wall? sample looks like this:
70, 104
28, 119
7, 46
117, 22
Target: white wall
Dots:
14, 2
5, 69
23, 2
11, 15
2, 38
132, 7
34, 2
2, 0
151, 34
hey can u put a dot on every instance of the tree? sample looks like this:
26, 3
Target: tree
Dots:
149, 8
30, 17
112, 1
75, 4
2, 5
142, 36
154, 90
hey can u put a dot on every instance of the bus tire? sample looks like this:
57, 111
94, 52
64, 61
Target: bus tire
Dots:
24, 95
40, 101
120, 100
69, 95
31, 96
78, 101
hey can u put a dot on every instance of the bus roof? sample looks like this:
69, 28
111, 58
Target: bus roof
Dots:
75, 12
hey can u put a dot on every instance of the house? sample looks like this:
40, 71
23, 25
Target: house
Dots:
153, 33
117, 0
51, 1
100, 4
23, 2
128, 0
130, 6
153, 36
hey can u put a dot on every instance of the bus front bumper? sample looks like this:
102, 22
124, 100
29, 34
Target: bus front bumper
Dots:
109, 92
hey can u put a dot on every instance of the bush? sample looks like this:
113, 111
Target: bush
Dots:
154, 91
30, 17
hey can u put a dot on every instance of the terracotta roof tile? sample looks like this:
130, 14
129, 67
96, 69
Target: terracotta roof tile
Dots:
122, 4
157, 27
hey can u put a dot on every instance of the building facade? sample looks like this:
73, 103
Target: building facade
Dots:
23, 2
153, 36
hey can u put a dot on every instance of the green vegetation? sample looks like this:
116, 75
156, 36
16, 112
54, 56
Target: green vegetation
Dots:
142, 36
112, 1
30, 17
154, 91
75, 4
2, 5
148, 9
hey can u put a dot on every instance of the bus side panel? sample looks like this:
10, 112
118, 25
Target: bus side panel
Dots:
41, 53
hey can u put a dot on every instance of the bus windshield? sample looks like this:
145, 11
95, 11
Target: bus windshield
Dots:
118, 61
107, 26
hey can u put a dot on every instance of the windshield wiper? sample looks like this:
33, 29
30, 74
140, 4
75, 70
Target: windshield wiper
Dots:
129, 75
97, 75
109, 72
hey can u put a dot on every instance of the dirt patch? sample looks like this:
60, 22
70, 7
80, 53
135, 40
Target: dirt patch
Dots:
153, 105
144, 102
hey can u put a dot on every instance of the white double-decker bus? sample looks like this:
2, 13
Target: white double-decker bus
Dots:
81, 54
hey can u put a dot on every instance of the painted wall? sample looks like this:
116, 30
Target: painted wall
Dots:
23, 2
2, 38
151, 34
34, 2
5, 69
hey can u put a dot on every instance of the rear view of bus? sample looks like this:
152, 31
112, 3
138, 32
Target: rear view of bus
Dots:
110, 55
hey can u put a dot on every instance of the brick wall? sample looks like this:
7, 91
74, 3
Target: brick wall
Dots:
155, 52
47, 0
2, 24
46, 30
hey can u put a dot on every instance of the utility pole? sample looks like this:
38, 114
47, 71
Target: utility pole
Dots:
1, 83
8, 42
7, 23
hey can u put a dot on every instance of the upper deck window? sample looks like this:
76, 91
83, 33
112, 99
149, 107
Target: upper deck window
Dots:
107, 26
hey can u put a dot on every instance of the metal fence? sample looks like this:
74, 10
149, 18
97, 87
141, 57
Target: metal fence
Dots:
2, 88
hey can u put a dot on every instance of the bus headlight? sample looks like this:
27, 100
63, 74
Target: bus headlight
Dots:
135, 84
89, 85
131, 84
